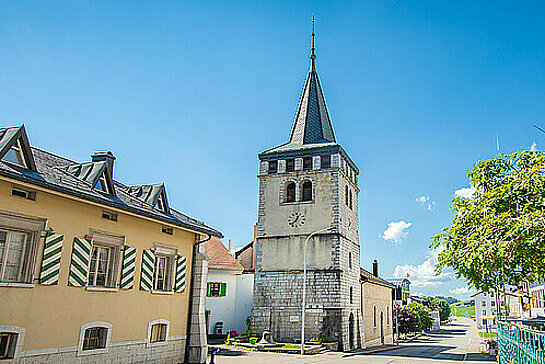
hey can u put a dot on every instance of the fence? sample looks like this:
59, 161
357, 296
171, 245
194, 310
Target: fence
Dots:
520, 345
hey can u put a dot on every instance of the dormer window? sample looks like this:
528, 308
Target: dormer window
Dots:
14, 155
15, 148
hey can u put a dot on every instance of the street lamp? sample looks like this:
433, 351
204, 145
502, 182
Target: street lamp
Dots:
305, 287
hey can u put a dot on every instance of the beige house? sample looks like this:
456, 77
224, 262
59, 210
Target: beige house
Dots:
376, 308
92, 270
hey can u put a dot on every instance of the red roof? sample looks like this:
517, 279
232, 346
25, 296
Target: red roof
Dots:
219, 257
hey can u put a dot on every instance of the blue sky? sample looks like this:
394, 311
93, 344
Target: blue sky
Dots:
189, 92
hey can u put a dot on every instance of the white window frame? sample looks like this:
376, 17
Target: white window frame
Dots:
20, 339
150, 344
169, 252
374, 316
33, 226
387, 315
115, 243
90, 325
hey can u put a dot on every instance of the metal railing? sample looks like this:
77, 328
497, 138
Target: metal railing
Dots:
520, 345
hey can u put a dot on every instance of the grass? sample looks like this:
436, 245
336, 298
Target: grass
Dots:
291, 346
463, 311
488, 335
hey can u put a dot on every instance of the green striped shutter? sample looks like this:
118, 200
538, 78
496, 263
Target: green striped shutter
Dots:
180, 274
223, 289
146, 275
208, 289
127, 270
51, 261
79, 266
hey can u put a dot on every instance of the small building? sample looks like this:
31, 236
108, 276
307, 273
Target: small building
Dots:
228, 293
537, 294
93, 270
485, 310
402, 292
376, 308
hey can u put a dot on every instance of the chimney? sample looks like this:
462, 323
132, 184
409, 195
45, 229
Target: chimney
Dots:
375, 268
109, 158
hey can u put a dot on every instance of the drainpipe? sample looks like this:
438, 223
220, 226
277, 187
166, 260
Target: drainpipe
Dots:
196, 246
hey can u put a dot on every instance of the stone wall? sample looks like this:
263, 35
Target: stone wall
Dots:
138, 351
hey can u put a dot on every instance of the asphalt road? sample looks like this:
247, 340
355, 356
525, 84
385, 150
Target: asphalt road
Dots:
454, 343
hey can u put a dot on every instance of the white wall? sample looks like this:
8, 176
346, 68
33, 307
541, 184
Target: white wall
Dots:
222, 308
486, 310
243, 301
235, 306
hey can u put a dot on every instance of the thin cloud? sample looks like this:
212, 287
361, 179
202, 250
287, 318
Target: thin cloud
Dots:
423, 275
533, 148
467, 192
425, 201
396, 231
463, 291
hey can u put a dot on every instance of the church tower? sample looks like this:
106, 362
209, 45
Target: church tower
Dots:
305, 185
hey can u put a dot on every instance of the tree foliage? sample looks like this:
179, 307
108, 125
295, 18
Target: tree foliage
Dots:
497, 236
443, 305
422, 314
406, 320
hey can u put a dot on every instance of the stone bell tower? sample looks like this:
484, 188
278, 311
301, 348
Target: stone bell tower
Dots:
308, 184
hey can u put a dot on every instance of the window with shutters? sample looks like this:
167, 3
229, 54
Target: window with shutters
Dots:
19, 242
105, 259
8, 343
217, 289
100, 266
13, 253
162, 273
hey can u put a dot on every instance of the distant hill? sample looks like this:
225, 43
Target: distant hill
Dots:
449, 299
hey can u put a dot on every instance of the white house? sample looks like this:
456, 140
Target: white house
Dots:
485, 310
228, 292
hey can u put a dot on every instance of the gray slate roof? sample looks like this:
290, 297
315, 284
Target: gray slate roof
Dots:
312, 125
57, 173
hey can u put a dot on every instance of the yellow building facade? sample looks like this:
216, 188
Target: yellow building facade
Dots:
93, 271
376, 308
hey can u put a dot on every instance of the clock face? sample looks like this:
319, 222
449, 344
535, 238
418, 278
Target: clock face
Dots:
296, 219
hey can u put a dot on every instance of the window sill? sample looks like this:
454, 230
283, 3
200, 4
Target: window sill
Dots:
100, 289
296, 202
163, 292
17, 284
156, 343
92, 352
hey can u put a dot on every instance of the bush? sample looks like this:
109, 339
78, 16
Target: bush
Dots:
422, 315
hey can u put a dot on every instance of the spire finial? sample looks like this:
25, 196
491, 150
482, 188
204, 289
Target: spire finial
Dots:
312, 55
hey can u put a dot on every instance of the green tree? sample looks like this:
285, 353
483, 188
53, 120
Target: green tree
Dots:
422, 314
406, 320
444, 307
497, 236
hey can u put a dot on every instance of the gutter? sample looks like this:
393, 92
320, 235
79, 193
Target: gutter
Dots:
191, 287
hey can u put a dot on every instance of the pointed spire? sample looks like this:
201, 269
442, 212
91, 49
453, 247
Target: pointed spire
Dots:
312, 55
312, 124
